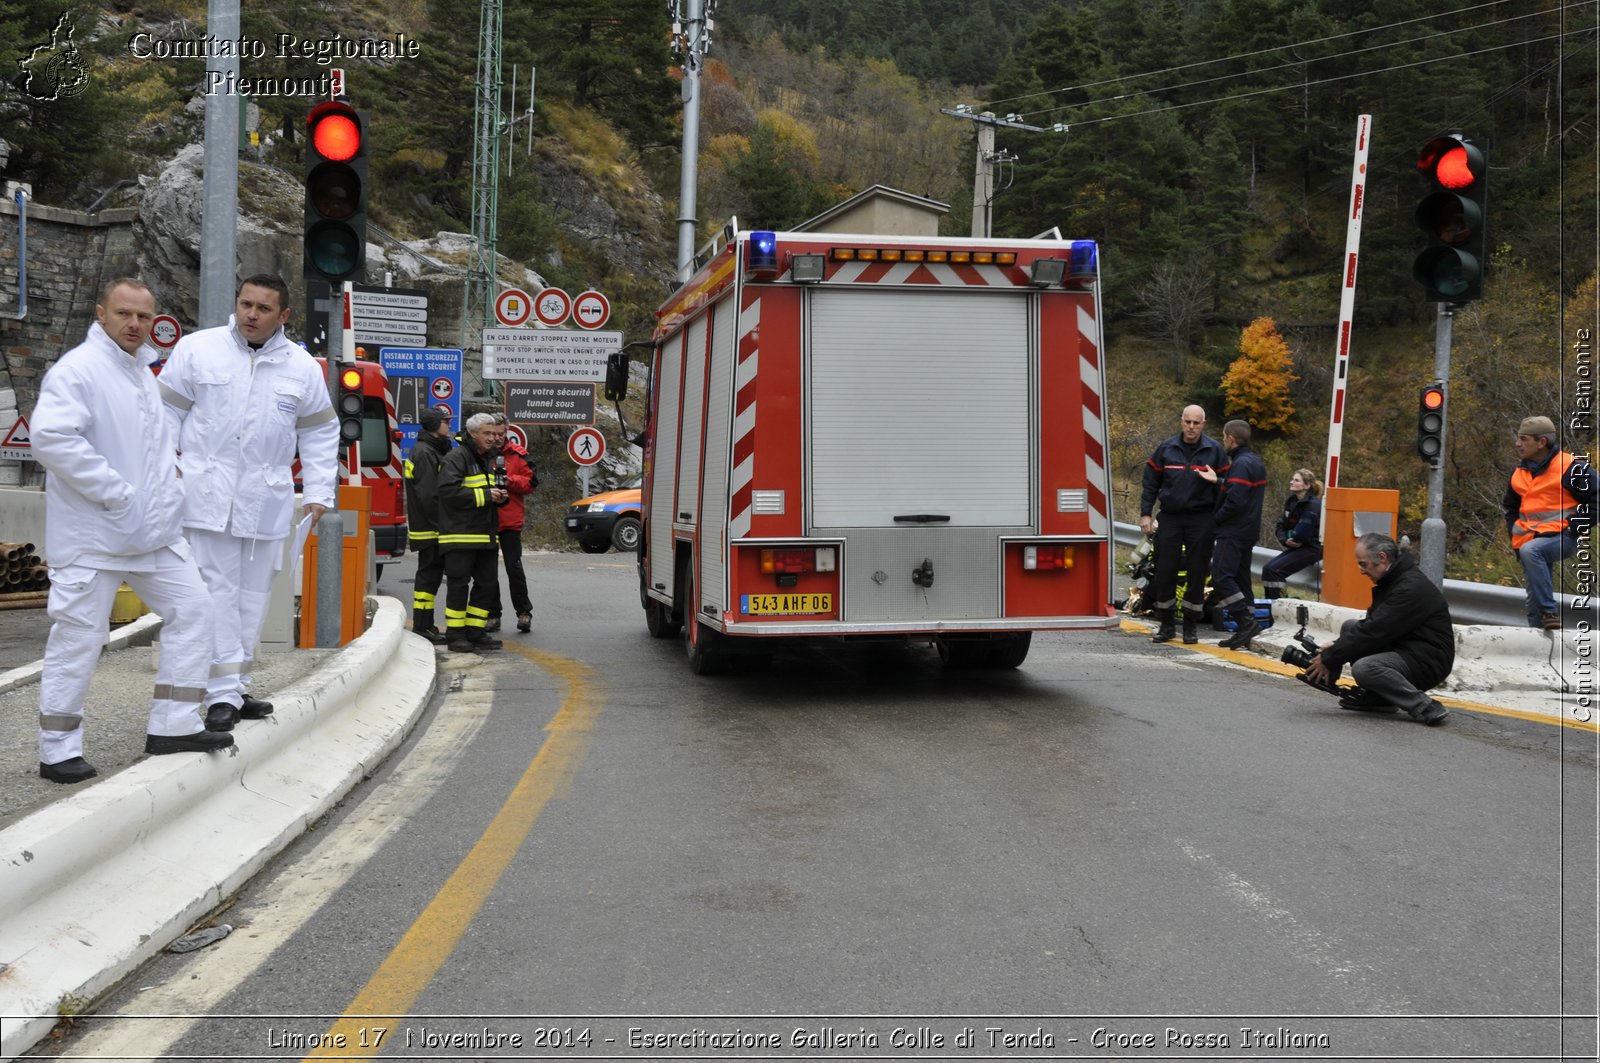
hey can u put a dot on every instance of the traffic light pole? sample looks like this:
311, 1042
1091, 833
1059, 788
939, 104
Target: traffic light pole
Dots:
1433, 526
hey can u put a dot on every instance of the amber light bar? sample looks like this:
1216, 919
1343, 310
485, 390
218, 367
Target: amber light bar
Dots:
921, 254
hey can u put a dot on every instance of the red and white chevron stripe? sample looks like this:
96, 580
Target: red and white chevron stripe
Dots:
744, 411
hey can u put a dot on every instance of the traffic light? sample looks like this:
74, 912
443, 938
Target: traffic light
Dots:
1453, 214
336, 193
1430, 423
617, 377
350, 404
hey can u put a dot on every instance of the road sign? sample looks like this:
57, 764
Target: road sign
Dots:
512, 307
586, 446
389, 317
363, 296
164, 331
442, 388
552, 307
515, 434
547, 354
549, 402
591, 310
412, 372
17, 445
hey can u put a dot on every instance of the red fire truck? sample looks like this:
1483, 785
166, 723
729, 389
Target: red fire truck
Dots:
862, 436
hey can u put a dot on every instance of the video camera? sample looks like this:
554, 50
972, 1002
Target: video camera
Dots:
1300, 651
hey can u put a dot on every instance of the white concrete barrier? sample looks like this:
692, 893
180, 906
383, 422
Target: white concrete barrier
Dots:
1488, 657
97, 883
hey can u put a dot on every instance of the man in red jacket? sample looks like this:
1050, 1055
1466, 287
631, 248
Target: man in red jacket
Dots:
520, 482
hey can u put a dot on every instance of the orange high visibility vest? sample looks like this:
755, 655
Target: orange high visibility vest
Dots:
1545, 502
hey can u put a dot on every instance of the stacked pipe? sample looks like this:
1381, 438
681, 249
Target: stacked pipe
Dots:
24, 577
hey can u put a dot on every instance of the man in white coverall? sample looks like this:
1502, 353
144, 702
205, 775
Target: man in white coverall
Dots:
112, 507
241, 398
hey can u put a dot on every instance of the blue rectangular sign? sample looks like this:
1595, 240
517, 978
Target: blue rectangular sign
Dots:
420, 377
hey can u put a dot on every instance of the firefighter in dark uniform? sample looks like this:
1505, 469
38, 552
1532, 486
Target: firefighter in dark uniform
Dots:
1184, 533
1237, 526
422, 515
469, 534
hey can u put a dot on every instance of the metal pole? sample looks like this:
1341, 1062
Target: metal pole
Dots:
330, 572
693, 31
219, 223
1433, 526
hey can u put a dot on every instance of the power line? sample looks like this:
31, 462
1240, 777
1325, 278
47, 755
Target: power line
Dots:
1298, 86
1265, 51
1296, 63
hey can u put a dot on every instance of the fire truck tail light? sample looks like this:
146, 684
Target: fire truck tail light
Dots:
1036, 558
795, 559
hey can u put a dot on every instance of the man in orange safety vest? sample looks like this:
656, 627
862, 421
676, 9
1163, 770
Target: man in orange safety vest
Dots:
1549, 503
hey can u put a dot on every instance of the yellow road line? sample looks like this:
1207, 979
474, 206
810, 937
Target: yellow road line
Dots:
425, 947
1267, 664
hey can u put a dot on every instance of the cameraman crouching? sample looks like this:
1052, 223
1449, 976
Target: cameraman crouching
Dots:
1403, 646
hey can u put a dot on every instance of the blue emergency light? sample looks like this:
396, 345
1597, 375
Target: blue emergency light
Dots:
1085, 259
761, 253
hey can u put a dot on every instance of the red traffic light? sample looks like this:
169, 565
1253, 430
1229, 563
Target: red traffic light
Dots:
1451, 163
1432, 398
351, 379
335, 134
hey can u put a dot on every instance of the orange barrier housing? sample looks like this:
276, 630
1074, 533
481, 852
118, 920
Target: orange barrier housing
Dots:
355, 505
1348, 514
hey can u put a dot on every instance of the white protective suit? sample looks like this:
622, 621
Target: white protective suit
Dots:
113, 503
239, 416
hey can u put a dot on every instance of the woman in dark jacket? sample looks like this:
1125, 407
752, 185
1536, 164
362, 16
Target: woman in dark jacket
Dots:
1298, 530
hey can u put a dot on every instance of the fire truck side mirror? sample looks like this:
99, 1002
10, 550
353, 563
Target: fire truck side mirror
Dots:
617, 366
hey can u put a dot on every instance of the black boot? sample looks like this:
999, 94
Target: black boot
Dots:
1165, 632
1246, 628
1190, 634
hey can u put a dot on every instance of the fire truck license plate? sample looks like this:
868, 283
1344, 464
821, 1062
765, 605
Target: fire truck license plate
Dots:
785, 604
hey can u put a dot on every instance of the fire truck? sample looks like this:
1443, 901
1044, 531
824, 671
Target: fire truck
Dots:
378, 452
873, 437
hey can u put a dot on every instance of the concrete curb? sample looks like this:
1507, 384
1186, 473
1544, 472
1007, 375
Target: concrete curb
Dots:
1488, 657
140, 632
96, 884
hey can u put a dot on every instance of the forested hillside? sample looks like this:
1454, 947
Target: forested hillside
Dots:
1205, 144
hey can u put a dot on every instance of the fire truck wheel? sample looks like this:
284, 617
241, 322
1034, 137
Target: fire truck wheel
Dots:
658, 620
963, 653
625, 536
1009, 651
699, 642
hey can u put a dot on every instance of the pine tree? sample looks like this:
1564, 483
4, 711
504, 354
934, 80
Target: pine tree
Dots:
1257, 383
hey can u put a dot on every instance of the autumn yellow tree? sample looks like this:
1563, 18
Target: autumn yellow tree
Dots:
1257, 383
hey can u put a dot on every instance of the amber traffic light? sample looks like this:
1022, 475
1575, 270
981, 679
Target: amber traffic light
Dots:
1430, 423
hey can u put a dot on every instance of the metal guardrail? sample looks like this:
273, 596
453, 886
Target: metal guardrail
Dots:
1470, 603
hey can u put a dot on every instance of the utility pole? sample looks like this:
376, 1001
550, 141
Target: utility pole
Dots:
219, 221
983, 178
478, 301
691, 38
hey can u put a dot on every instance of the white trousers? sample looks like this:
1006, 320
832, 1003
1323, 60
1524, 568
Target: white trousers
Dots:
238, 573
80, 611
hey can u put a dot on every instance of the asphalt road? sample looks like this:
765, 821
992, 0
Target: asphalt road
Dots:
1120, 849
